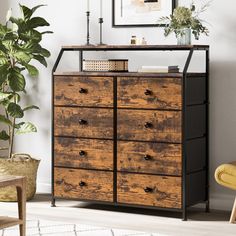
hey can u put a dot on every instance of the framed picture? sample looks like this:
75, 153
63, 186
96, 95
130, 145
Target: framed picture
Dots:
140, 13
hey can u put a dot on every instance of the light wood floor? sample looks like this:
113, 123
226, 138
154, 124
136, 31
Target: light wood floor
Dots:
199, 223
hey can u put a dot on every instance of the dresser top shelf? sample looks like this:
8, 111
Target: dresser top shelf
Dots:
127, 74
135, 47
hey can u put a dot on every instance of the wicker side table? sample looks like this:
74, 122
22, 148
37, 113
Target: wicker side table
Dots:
20, 184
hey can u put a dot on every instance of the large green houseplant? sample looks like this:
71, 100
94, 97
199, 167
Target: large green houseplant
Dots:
19, 46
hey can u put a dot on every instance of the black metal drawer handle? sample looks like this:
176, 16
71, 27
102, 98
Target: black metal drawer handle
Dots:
82, 90
148, 125
148, 190
147, 157
82, 153
148, 92
83, 122
82, 184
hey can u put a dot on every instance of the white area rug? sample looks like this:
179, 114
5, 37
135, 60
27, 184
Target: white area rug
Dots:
50, 228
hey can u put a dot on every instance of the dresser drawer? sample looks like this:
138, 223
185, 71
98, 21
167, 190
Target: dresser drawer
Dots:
83, 184
83, 153
149, 190
162, 126
83, 122
155, 93
151, 158
83, 91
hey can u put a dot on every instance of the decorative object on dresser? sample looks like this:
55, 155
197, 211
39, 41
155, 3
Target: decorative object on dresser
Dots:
184, 22
19, 46
159, 69
88, 22
138, 41
136, 13
112, 65
133, 139
101, 21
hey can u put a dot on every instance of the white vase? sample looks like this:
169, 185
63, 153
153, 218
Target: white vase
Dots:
184, 38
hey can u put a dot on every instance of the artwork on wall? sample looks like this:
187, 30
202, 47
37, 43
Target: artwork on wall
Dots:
140, 13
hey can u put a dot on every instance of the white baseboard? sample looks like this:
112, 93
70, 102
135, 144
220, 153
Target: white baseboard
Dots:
218, 201
221, 201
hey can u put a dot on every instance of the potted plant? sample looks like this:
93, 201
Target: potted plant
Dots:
19, 45
184, 22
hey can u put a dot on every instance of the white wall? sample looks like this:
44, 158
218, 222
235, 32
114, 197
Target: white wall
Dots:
68, 22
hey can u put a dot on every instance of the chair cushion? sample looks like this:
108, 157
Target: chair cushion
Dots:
226, 175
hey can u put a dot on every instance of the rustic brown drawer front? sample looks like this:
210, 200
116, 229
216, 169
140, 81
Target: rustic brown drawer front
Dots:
162, 93
149, 190
84, 122
153, 158
83, 184
140, 125
83, 153
83, 91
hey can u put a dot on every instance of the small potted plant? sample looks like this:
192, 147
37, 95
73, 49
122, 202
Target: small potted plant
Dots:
19, 45
184, 22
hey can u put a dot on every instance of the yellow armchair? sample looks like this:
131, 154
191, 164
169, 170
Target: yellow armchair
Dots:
225, 175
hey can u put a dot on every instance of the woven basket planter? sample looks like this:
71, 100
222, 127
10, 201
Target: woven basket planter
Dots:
22, 165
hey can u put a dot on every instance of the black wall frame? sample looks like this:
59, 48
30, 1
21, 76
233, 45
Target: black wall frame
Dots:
114, 25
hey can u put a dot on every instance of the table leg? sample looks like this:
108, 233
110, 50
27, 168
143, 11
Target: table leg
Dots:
21, 198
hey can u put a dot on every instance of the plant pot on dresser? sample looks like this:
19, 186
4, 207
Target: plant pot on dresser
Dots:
132, 139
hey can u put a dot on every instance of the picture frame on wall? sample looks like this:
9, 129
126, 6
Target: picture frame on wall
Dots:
140, 13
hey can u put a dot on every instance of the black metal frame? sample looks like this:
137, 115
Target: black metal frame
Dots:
191, 49
137, 25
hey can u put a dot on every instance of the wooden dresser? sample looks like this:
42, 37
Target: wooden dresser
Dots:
131, 139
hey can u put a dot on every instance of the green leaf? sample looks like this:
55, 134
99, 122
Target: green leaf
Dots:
44, 52
3, 60
23, 57
8, 44
32, 35
193, 7
4, 70
38, 6
17, 126
4, 120
14, 110
3, 30
47, 32
4, 136
27, 13
40, 59
33, 71
16, 81
26, 128
13, 97
4, 96
30, 108
41, 51
37, 22
3, 49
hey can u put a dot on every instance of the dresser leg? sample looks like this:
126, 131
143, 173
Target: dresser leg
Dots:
207, 209
184, 215
53, 202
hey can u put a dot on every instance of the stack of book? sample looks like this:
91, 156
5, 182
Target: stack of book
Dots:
159, 69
